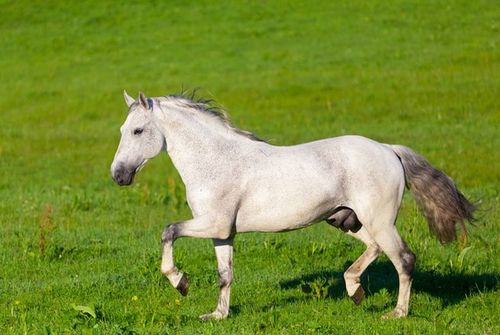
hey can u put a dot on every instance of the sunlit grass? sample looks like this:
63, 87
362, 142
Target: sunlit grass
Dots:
79, 254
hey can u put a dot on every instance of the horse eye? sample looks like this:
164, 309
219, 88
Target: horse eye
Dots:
138, 131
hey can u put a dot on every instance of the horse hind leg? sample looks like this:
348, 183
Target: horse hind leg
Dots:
353, 274
403, 259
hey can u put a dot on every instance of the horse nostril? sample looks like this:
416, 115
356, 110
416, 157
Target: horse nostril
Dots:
118, 176
122, 176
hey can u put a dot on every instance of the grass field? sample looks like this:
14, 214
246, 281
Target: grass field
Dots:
79, 255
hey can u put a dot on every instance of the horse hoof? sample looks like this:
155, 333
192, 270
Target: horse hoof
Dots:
395, 314
183, 285
358, 296
213, 316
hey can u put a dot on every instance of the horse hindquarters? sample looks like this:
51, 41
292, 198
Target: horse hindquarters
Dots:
375, 200
443, 205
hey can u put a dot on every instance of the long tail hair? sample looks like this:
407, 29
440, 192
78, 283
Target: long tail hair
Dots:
442, 204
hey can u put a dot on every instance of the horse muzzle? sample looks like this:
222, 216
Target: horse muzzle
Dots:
123, 176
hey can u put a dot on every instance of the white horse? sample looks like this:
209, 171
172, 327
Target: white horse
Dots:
237, 183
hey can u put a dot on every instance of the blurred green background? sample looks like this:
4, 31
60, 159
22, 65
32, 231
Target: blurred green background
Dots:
420, 73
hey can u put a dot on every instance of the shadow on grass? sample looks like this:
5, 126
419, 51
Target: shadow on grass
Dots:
236, 309
450, 288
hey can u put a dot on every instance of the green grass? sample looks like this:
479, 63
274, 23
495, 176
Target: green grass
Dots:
421, 73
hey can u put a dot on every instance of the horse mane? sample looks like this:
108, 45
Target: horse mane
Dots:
209, 106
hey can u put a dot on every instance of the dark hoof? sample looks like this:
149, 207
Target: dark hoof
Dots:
183, 286
358, 296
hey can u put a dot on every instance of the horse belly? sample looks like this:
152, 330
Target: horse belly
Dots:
282, 208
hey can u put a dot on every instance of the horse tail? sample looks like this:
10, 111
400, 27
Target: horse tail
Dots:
437, 196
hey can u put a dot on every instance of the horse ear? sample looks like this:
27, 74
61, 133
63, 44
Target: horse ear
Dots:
143, 100
128, 99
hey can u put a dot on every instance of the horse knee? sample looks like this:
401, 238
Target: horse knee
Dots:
169, 233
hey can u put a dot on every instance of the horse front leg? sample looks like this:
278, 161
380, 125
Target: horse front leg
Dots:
178, 279
201, 227
224, 254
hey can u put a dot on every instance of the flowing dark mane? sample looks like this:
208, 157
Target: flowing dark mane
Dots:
209, 106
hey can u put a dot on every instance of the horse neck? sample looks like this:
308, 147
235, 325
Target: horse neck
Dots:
199, 145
